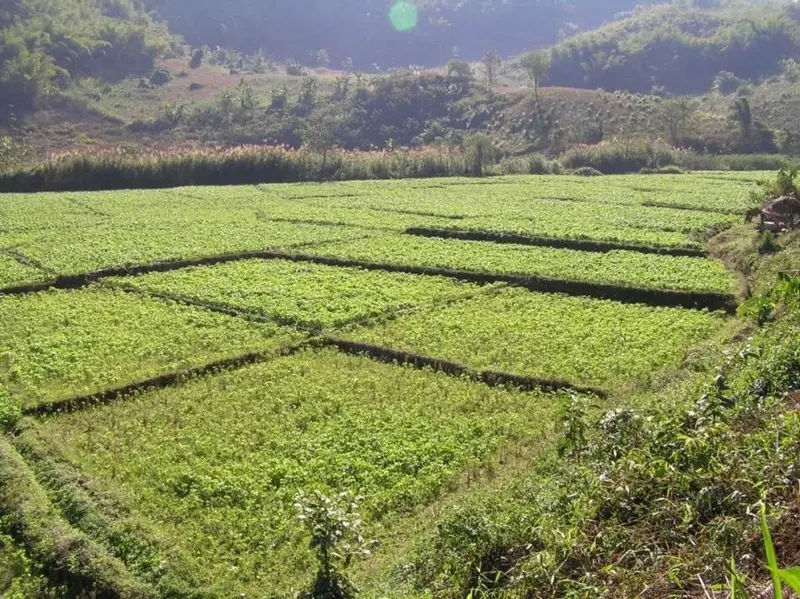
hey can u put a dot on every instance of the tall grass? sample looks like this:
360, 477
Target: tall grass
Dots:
242, 165
231, 166
612, 158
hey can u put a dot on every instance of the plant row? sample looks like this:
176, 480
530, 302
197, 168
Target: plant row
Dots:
588, 342
622, 268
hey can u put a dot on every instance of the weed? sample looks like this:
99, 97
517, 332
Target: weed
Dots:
336, 538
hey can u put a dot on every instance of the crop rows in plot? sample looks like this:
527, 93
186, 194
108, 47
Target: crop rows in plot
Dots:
216, 427
217, 461
623, 268
310, 295
72, 233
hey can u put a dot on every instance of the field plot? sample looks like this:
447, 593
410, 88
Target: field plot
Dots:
309, 295
582, 341
185, 361
60, 344
631, 269
13, 272
119, 246
217, 462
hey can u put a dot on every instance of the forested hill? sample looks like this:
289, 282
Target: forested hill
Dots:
680, 51
44, 44
431, 31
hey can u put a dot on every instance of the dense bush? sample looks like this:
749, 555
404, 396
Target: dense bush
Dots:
621, 157
680, 51
44, 45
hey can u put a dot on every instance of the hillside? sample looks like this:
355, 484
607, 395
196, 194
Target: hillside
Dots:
433, 32
618, 82
45, 46
674, 50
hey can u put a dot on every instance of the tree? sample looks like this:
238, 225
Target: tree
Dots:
459, 69
308, 93
536, 65
247, 98
677, 114
341, 88
197, 58
481, 152
322, 58
321, 132
743, 116
492, 61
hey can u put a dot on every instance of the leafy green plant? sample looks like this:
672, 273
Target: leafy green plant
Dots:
780, 576
758, 309
336, 538
573, 419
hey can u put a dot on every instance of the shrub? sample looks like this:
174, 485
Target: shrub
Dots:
587, 171
197, 58
295, 69
241, 165
160, 77
767, 243
726, 83
535, 164
664, 170
335, 528
621, 157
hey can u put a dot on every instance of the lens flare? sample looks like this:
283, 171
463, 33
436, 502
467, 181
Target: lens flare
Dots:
404, 15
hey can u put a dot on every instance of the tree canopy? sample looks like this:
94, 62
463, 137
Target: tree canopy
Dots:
44, 44
680, 49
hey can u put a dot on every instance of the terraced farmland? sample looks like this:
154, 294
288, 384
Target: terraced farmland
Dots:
177, 365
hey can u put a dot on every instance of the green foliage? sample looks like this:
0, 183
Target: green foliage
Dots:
14, 155
575, 339
677, 114
96, 339
536, 65
767, 243
306, 295
459, 68
726, 83
587, 171
621, 157
46, 44
19, 578
314, 421
10, 410
190, 488
678, 50
675, 486
624, 268
480, 151
235, 166
573, 419
757, 309
336, 538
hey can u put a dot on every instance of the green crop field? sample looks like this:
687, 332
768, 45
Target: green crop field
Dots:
176, 366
